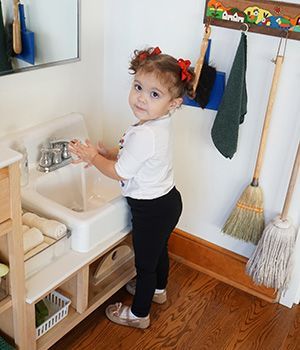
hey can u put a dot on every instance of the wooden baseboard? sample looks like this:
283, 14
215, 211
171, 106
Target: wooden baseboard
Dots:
217, 262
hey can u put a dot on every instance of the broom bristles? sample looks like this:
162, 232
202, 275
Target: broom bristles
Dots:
247, 221
272, 261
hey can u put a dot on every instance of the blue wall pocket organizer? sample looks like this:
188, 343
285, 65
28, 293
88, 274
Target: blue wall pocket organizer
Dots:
216, 92
28, 51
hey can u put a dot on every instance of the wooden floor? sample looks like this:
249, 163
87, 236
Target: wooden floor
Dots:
201, 314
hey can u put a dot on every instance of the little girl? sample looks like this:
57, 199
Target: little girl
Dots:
143, 165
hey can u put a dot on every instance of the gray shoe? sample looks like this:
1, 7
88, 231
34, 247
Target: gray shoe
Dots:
114, 311
157, 298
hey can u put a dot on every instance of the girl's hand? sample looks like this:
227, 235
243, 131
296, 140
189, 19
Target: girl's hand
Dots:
102, 149
85, 152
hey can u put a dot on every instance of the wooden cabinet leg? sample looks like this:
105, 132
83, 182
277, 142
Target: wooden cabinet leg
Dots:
82, 289
16, 259
31, 332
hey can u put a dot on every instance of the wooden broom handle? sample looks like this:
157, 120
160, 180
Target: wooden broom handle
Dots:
291, 187
17, 42
200, 61
263, 139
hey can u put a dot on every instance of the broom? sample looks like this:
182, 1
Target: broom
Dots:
272, 260
205, 75
246, 221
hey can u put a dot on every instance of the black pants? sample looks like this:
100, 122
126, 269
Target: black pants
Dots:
153, 220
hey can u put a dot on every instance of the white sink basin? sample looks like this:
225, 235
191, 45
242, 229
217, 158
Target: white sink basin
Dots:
89, 203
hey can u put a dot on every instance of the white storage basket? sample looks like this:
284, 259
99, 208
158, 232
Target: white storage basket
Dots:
58, 306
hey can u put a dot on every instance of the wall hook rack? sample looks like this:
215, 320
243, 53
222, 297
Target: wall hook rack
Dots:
261, 16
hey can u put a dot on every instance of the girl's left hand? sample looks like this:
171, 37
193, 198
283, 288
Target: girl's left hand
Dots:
85, 152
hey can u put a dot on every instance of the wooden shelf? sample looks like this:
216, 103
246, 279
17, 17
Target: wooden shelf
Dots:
116, 280
5, 227
84, 295
97, 296
41, 283
12, 308
5, 304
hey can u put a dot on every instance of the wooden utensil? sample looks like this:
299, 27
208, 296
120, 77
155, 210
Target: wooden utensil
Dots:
112, 262
17, 42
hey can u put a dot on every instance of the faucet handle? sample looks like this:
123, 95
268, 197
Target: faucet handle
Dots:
57, 155
46, 157
63, 146
65, 151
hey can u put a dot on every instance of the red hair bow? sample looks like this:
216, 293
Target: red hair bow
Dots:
145, 54
184, 65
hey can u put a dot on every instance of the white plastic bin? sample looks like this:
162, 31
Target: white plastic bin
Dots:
58, 306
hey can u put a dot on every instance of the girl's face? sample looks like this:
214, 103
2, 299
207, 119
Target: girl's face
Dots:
149, 99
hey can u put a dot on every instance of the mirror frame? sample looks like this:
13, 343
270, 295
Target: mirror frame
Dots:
54, 63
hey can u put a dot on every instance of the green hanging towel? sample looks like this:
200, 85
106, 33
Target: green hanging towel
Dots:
5, 64
233, 106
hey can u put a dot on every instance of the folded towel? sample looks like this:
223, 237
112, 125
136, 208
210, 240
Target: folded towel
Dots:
233, 106
32, 238
51, 228
25, 228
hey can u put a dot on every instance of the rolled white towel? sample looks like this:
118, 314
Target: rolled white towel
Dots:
50, 228
25, 228
32, 238
29, 219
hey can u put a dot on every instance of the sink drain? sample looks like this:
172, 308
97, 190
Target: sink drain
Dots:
77, 209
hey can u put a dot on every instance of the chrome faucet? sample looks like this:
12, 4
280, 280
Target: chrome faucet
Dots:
55, 156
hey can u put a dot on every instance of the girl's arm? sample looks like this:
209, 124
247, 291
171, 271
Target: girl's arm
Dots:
106, 166
113, 153
89, 154
110, 153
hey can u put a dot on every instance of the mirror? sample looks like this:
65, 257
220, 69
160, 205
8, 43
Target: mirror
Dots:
38, 33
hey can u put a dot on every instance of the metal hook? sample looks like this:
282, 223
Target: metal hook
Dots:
207, 23
247, 27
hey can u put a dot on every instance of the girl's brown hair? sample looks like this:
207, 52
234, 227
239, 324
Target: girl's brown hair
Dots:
166, 68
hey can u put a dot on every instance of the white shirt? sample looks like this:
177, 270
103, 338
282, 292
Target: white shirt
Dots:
145, 160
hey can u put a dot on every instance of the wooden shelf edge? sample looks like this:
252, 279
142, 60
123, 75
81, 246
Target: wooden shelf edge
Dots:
5, 304
49, 270
5, 227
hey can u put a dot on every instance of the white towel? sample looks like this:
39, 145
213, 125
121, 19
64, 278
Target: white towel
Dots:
32, 238
25, 228
51, 228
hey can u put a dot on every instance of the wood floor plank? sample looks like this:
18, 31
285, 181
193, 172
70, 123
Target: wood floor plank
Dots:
263, 326
201, 313
292, 341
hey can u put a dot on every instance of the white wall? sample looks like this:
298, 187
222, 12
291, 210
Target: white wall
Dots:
29, 98
210, 184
